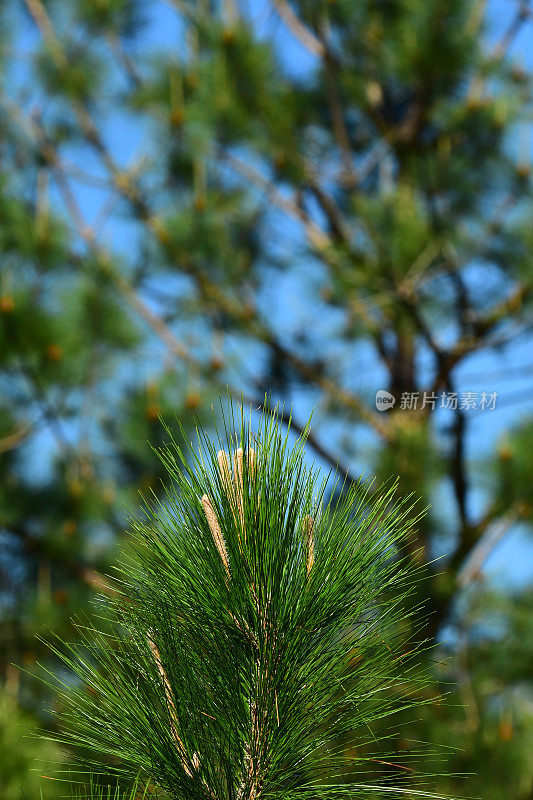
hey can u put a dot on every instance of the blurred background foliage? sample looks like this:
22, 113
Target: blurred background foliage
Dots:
315, 199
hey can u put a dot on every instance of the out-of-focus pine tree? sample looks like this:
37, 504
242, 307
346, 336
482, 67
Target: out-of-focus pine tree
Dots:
315, 199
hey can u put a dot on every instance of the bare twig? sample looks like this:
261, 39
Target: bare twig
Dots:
521, 16
480, 553
299, 29
117, 46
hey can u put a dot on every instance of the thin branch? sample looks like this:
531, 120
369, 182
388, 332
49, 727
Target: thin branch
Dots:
522, 15
155, 322
337, 119
117, 46
336, 221
458, 464
480, 553
13, 440
299, 29
483, 325
315, 234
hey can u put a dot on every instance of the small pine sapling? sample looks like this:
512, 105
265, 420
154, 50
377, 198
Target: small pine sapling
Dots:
257, 638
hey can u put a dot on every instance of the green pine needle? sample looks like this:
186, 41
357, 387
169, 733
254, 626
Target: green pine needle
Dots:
256, 644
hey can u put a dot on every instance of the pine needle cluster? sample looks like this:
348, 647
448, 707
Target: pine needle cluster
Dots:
255, 644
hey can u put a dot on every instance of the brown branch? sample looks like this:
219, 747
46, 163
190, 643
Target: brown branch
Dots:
331, 210
411, 303
484, 322
12, 440
317, 237
49, 152
482, 325
287, 418
458, 465
44, 23
337, 119
346, 398
484, 547
122, 56
500, 51
299, 30
522, 15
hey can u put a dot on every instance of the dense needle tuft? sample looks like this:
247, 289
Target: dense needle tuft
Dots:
258, 646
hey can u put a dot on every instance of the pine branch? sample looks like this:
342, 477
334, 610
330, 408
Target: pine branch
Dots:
243, 601
340, 131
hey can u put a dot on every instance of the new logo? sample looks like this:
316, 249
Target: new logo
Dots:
384, 400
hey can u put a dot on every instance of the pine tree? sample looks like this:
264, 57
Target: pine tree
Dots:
256, 634
316, 200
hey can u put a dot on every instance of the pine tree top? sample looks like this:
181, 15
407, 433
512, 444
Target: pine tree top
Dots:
255, 644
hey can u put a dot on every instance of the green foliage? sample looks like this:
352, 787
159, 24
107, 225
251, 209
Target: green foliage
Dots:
93, 311
96, 792
413, 458
76, 75
120, 17
27, 237
398, 221
24, 759
488, 708
515, 468
253, 627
